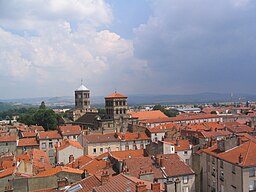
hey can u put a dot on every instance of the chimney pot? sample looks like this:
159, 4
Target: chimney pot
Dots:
155, 187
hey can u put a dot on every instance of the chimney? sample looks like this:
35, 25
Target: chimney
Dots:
104, 177
62, 183
240, 158
161, 162
8, 189
108, 164
239, 141
141, 187
71, 158
177, 142
85, 174
155, 187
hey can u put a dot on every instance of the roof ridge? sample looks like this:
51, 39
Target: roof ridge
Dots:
247, 152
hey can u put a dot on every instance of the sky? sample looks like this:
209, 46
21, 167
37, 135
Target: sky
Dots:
132, 47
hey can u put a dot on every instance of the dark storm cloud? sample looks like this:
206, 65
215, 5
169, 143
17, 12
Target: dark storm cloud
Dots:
197, 46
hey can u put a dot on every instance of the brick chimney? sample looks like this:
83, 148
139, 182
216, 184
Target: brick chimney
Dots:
62, 183
177, 142
141, 187
108, 164
155, 187
240, 158
71, 158
8, 189
104, 177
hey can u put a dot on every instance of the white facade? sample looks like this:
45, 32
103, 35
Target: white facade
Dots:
63, 154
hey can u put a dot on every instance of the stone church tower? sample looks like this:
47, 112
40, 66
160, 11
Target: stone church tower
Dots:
116, 108
82, 98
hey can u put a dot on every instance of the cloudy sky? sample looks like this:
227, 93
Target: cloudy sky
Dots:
134, 47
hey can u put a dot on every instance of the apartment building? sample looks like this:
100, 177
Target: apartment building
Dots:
229, 166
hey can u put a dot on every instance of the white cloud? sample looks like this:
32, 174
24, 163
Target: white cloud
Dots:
49, 57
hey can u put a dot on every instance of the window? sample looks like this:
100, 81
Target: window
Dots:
221, 164
156, 139
221, 175
94, 150
233, 169
185, 179
43, 145
50, 145
101, 150
213, 160
213, 171
185, 152
74, 137
221, 188
185, 189
187, 161
252, 185
251, 172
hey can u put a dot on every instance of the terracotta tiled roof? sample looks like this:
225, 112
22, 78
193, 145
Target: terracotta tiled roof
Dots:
7, 138
43, 135
120, 155
174, 167
120, 183
101, 138
79, 162
28, 134
70, 130
87, 184
55, 170
246, 150
7, 172
138, 166
94, 166
27, 142
127, 136
66, 143
208, 134
145, 115
163, 128
39, 159
115, 95
181, 146
193, 117
36, 128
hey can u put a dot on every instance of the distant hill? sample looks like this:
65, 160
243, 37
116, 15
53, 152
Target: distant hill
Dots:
98, 101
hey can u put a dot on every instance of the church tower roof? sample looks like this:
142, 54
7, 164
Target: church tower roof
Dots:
82, 88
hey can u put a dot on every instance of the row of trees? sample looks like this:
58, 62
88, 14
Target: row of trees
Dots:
165, 111
42, 116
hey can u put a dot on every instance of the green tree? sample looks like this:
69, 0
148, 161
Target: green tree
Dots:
46, 118
166, 112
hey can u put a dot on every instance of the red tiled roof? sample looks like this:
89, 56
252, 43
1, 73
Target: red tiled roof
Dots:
181, 146
40, 160
7, 138
94, 166
28, 134
208, 134
87, 184
163, 128
246, 150
120, 183
120, 155
27, 142
36, 128
43, 135
137, 166
59, 169
146, 115
70, 130
128, 136
101, 138
115, 95
79, 162
7, 172
66, 143
173, 166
